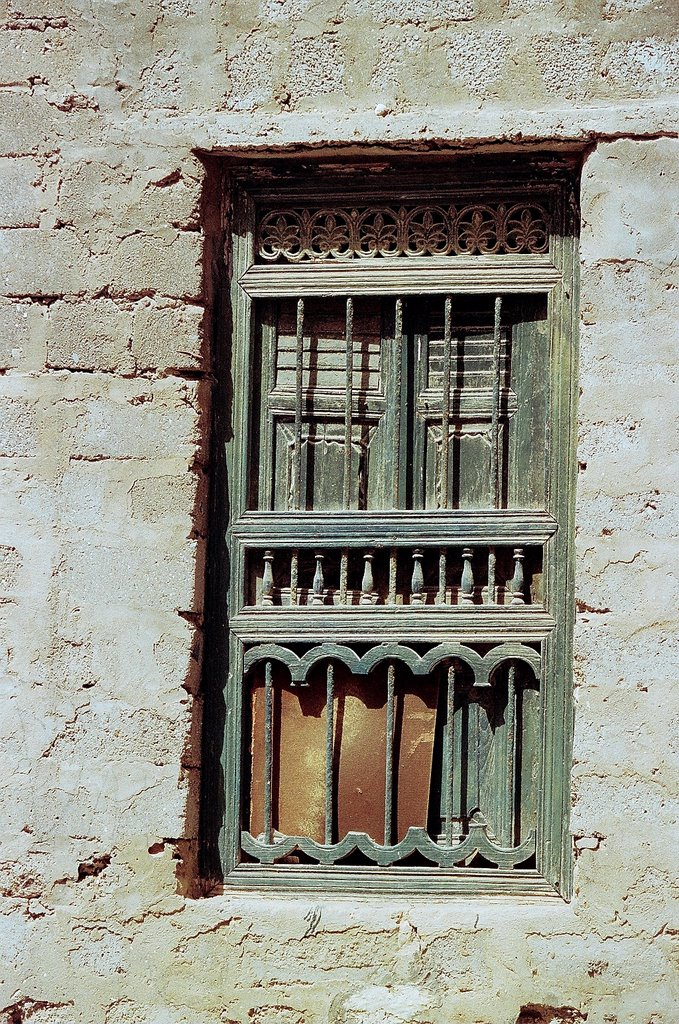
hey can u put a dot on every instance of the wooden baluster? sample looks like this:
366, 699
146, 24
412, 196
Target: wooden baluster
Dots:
417, 584
319, 582
391, 598
268, 751
517, 578
348, 399
396, 399
329, 739
267, 579
467, 581
344, 573
445, 402
450, 737
491, 596
389, 760
443, 572
495, 414
367, 583
299, 369
294, 576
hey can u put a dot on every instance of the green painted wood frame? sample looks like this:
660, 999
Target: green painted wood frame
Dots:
551, 180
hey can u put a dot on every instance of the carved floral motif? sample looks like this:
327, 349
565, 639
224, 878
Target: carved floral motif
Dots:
298, 233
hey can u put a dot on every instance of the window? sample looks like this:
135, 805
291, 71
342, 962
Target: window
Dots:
400, 466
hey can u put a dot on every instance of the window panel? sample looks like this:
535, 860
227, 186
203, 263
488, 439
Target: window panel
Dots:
398, 629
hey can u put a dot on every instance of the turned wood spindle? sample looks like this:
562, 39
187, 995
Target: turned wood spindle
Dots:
319, 583
417, 583
467, 581
367, 584
517, 578
267, 579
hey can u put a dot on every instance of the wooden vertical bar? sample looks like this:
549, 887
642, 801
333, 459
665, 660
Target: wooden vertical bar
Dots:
396, 398
491, 575
389, 759
348, 399
299, 369
294, 577
509, 837
443, 572
268, 752
445, 402
495, 421
391, 597
329, 738
344, 573
450, 744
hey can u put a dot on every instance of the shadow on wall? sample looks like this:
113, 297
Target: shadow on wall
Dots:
197, 852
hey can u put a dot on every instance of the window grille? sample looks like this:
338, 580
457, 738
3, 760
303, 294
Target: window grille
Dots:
400, 469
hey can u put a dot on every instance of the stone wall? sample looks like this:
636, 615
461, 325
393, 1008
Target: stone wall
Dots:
104, 408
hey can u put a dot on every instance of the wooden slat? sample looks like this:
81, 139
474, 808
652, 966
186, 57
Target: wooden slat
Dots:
430, 276
382, 623
463, 881
394, 529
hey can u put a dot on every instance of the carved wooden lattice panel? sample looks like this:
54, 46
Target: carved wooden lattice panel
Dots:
303, 233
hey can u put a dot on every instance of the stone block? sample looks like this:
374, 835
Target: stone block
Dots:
44, 263
21, 335
92, 335
165, 263
21, 197
18, 427
168, 338
131, 420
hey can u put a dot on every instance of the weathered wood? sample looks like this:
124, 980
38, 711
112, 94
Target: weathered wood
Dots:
417, 582
314, 623
450, 528
319, 582
389, 762
297, 458
518, 413
329, 750
443, 572
467, 580
517, 578
268, 751
449, 778
349, 341
495, 421
463, 275
445, 403
367, 583
267, 580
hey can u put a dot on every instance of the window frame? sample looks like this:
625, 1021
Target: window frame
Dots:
553, 182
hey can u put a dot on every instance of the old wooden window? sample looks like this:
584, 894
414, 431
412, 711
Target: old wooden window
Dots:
399, 477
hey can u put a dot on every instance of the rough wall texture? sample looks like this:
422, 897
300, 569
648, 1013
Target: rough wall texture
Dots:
104, 380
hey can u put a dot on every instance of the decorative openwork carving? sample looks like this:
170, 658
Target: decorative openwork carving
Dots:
298, 233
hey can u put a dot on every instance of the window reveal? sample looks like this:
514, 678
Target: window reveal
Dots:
390, 618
